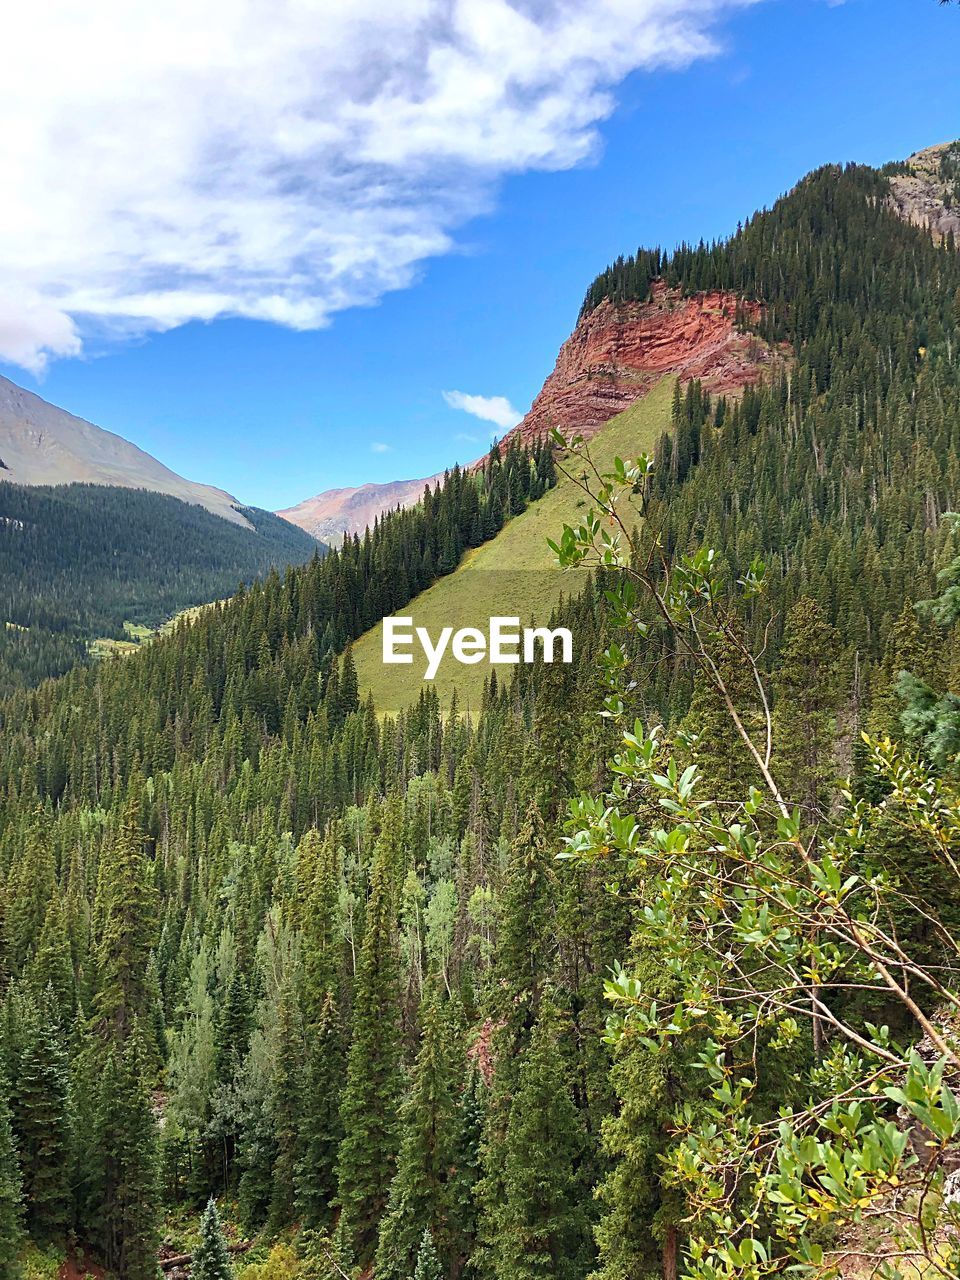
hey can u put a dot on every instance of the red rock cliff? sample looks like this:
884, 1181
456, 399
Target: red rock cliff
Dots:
615, 354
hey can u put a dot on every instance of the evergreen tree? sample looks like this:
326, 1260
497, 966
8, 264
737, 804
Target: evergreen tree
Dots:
11, 1194
127, 903
718, 750
540, 1226
422, 1191
638, 1232
211, 1261
232, 1036
287, 1104
320, 1127
807, 692
43, 1125
191, 1069
326, 1257
527, 933
125, 1192
428, 1264
367, 1156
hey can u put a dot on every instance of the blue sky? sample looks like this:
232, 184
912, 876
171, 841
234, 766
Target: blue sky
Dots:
275, 415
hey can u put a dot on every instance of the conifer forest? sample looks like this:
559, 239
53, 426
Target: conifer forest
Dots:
648, 966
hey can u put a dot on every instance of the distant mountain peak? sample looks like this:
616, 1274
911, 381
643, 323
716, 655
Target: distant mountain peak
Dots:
41, 444
338, 513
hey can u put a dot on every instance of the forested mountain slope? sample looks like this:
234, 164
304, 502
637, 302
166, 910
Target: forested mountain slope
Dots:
78, 561
343, 952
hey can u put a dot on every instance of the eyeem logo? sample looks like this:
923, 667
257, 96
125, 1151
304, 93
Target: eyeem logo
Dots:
505, 643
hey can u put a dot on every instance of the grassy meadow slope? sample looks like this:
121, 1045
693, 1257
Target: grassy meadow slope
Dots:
514, 575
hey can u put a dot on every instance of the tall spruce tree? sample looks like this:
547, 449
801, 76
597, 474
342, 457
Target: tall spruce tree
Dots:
321, 1130
287, 1104
211, 1261
422, 1192
366, 1160
11, 1194
540, 1226
428, 1266
125, 1150
41, 1107
128, 933
807, 690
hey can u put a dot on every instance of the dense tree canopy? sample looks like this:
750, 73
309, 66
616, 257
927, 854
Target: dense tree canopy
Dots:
336, 954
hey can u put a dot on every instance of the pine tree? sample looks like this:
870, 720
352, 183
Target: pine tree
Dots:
913, 646
639, 1227
191, 1069
125, 1192
256, 1146
422, 1191
326, 1257
527, 916
807, 690
540, 1226
30, 888
287, 1104
367, 1156
320, 1128
43, 1124
11, 1194
52, 966
211, 1261
127, 903
232, 1036
719, 752
468, 1168
428, 1264
85, 1083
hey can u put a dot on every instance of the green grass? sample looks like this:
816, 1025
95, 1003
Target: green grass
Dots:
138, 632
137, 635
514, 575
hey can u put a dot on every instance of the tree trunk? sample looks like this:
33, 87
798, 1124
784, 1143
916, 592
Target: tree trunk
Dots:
670, 1254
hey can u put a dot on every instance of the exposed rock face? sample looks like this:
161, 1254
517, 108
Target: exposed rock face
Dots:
41, 444
337, 512
616, 354
613, 356
925, 195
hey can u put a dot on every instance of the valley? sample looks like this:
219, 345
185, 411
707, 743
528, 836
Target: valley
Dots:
97, 537
630, 968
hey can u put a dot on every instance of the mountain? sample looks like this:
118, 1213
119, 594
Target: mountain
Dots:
98, 539
43, 445
337, 512
622, 346
85, 562
265, 948
615, 355
514, 574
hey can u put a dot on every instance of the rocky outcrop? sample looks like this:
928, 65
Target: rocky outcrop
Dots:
615, 354
927, 193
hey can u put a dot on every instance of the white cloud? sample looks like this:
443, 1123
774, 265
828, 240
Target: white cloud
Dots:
379, 447
496, 409
282, 159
